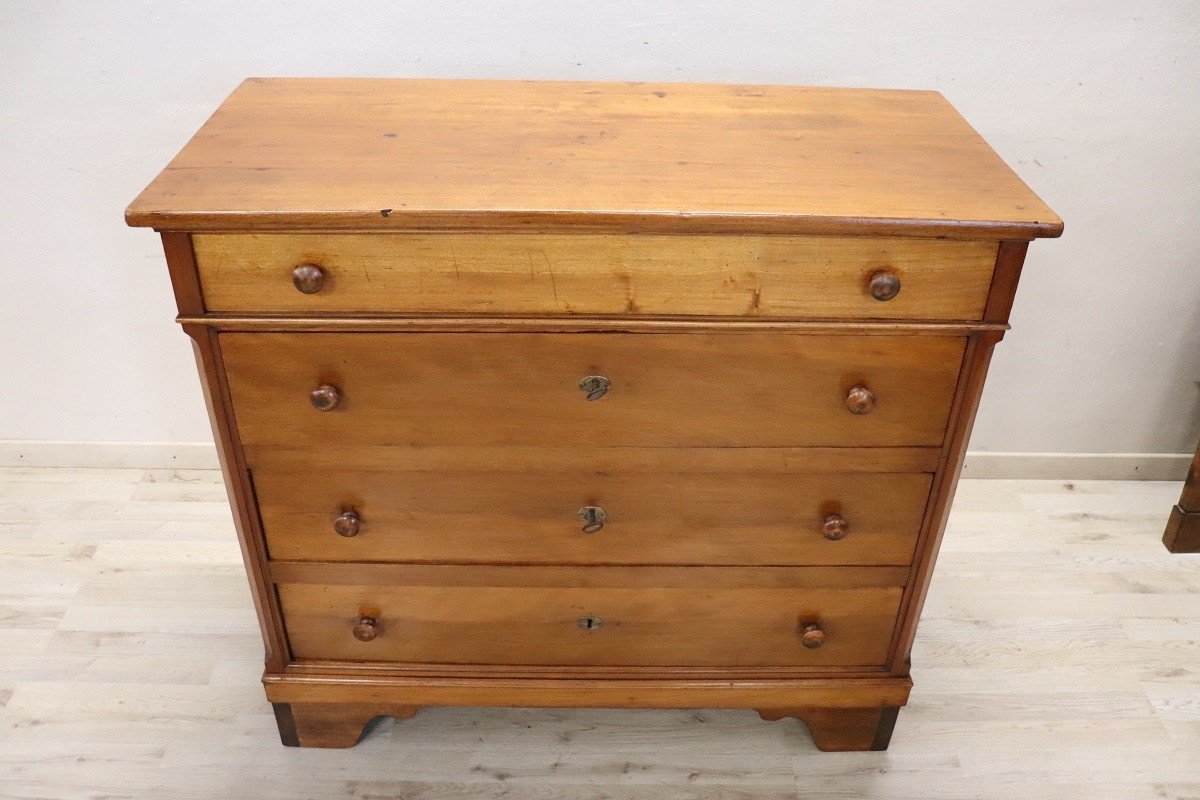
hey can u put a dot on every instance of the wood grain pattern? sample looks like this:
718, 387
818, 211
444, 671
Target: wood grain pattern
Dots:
304, 684
756, 276
700, 322
207, 352
178, 248
1010, 258
489, 389
558, 576
653, 517
331, 725
568, 458
403, 154
475, 323
636, 626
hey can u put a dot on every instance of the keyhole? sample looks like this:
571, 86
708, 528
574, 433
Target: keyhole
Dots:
590, 623
593, 518
595, 386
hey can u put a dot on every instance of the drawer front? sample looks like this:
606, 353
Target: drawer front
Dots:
590, 626
722, 390
771, 276
631, 517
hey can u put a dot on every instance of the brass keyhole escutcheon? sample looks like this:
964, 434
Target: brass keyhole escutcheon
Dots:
589, 623
593, 518
595, 386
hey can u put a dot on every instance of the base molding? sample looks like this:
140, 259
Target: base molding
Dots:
332, 710
295, 686
1078, 466
203, 455
108, 455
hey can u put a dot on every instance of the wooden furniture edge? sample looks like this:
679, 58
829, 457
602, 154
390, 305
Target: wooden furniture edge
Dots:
1182, 534
533, 458
838, 730
841, 713
1009, 261
843, 692
468, 220
808, 696
389, 669
580, 324
1010, 257
241, 493
359, 573
206, 347
185, 277
1183, 526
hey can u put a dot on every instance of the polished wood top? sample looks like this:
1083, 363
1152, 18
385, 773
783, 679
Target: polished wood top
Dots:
429, 154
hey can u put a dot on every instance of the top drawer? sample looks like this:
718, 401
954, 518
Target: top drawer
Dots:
452, 273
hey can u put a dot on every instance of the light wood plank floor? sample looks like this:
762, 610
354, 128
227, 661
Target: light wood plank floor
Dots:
1059, 658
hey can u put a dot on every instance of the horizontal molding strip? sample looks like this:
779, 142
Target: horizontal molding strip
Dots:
392, 670
627, 223
575, 576
301, 685
596, 324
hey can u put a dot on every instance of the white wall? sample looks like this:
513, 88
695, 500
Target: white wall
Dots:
1095, 103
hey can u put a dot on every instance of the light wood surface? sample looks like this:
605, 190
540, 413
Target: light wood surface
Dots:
769, 389
613, 687
572, 458
389, 154
473, 323
711, 627
560, 576
1059, 659
756, 276
651, 517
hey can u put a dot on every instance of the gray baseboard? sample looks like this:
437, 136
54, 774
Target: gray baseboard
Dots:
203, 455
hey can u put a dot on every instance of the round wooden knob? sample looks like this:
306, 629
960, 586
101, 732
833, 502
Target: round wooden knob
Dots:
348, 523
812, 636
860, 400
325, 397
884, 286
835, 528
366, 629
308, 278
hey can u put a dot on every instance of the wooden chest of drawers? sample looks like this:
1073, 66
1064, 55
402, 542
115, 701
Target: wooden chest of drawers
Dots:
616, 395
